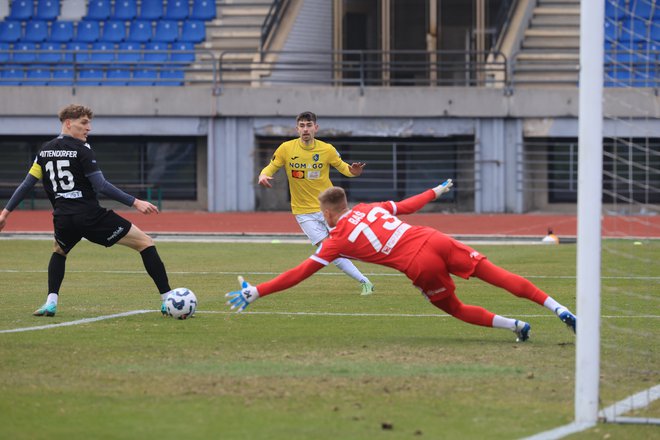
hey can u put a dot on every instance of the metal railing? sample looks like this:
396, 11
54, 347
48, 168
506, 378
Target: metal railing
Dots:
364, 68
271, 22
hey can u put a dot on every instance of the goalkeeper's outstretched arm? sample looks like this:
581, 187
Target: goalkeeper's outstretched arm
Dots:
239, 300
417, 202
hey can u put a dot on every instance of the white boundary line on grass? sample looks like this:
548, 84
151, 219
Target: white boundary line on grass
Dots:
611, 413
226, 312
77, 322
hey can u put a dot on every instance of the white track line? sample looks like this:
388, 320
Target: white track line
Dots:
77, 322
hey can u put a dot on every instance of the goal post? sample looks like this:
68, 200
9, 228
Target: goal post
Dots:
589, 204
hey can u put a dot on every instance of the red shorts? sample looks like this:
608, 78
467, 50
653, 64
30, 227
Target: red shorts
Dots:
439, 257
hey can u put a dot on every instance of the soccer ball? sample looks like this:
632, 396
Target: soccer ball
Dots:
181, 303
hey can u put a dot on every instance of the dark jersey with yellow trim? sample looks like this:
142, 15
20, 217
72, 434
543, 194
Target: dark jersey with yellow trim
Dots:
63, 164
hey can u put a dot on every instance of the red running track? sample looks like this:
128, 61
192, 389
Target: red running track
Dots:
200, 222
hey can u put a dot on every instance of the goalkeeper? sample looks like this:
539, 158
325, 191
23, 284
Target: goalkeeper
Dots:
372, 233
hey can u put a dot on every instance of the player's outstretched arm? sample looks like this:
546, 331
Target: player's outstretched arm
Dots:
264, 180
443, 188
417, 202
240, 299
145, 207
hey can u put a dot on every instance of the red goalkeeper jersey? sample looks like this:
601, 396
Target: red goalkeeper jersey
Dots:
369, 232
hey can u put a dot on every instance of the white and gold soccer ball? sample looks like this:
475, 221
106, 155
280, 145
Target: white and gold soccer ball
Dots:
181, 303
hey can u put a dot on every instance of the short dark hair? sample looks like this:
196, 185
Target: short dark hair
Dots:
306, 116
334, 197
75, 111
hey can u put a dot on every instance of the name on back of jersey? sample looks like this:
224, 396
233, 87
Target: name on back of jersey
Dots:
58, 153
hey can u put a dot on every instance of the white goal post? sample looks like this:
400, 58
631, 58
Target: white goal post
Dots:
590, 164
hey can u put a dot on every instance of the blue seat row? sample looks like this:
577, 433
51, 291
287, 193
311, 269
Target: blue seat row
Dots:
632, 43
632, 29
63, 75
102, 10
113, 30
643, 9
81, 52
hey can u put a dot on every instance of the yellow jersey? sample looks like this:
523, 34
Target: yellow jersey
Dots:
308, 171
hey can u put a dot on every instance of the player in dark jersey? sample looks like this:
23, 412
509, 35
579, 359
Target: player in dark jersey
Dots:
72, 179
372, 233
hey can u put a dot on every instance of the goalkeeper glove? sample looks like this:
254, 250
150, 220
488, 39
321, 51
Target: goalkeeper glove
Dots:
444, 187
240, 299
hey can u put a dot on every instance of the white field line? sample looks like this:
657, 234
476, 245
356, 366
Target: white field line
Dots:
610, 414
77, 322
284, 313
378, 274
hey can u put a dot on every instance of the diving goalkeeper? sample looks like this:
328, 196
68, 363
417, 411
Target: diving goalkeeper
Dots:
372, 233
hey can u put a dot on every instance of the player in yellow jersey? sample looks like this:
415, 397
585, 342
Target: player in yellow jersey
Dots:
307, 162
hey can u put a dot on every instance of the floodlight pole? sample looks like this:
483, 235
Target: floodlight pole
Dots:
590, 169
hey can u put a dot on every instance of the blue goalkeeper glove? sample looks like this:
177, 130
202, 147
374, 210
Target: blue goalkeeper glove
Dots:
444, 187
240, 299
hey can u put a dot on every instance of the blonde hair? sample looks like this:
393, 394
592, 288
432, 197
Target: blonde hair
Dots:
75, 111
334, 198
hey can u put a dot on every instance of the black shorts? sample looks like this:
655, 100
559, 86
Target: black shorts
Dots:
101, 226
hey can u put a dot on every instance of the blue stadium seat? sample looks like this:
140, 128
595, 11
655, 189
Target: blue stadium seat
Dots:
21, 10
129, 52
124, 10
182, 51
11, 75
176, 10
612, 30
77, 51
166, 31
615, 9
140, 31
171, 77
103, 51
98, 10
24, 52
88, 31
633, 30
10, 31
114, 30
193, 31
36, 31
50, 52
151, 10
62, 76
156, 51
47, 10
144, 77
203, 10
642, 9
90, 76
117, 77
61, 31
4, 53
37, 76
655, 28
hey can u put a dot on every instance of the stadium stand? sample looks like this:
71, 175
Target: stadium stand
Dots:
190, 34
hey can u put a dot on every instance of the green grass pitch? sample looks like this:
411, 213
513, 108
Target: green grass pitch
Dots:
316, 362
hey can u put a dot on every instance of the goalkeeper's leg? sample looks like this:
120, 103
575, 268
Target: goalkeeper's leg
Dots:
522, 288
479, 316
